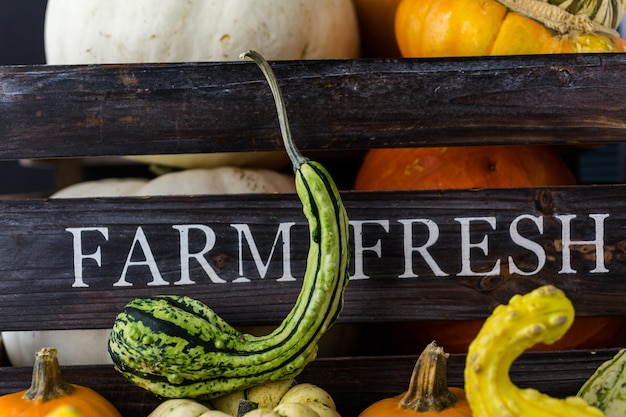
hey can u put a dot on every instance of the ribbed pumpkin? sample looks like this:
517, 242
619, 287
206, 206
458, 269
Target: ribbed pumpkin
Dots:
462, 167
428, 393
48, 392
438, 28
474, 167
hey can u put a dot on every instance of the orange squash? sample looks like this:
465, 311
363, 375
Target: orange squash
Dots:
462, 167
585, 333
48, 392
439, 28
428, 393
475, 167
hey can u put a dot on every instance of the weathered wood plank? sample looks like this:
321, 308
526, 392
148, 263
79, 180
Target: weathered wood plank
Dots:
416, 255
354, 383
61, 111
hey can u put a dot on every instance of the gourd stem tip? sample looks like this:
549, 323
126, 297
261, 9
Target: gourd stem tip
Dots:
292, 151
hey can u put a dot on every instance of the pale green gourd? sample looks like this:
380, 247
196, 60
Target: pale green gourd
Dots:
606, 388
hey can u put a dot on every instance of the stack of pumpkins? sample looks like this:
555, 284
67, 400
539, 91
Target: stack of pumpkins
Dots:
448, 28
118, 31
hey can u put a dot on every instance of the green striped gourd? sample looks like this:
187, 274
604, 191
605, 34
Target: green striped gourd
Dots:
605, 388
607, 13
175, 346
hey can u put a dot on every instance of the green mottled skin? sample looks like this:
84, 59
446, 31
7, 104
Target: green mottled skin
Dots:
177, 347
606, 388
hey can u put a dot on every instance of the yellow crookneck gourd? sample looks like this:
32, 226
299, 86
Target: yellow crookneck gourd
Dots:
541, 316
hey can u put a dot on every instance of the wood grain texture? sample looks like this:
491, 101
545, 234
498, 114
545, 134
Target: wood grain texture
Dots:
60, 111
349, 106
39, 277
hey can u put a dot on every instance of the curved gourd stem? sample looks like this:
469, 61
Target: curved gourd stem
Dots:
541, 316
294, 154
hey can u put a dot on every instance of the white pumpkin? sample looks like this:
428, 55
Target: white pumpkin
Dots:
220, 180
122, 31
75, 347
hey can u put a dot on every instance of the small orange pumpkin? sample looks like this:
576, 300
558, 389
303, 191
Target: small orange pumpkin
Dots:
462, 167
428, 393
438, 28
48, 392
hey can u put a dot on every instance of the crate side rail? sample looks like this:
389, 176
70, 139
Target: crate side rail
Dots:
72, 111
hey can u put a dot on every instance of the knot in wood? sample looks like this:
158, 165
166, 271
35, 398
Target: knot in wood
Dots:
544, 202
564, 76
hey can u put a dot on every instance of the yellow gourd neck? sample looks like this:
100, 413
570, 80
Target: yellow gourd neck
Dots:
541, 316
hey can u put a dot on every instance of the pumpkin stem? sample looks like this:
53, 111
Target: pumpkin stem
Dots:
428, 388
47, 383
294, 155
556, 18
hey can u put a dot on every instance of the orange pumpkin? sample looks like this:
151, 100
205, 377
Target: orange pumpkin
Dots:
585, 333
48, 392
439, 28
377, 28
428, 393
475, 167
462, 167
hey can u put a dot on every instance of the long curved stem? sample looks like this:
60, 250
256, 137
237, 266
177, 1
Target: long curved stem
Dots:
294, 155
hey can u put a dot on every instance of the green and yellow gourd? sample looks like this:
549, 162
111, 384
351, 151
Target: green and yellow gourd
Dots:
605, 388
176, 347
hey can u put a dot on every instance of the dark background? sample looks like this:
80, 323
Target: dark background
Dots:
21, 43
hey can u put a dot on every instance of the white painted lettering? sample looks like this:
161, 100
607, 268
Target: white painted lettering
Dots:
79, 256
244, 233
433, 235
359, 249
185, 255
525, 243
149, 261
567, 242
466, 246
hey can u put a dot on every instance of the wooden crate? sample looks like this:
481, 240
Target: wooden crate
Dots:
339, 107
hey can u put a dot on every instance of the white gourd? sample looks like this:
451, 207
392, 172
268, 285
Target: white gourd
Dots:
142, 31
121, 31
283, 398
221, 180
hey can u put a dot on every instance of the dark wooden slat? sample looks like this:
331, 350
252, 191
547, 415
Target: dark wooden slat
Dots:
38, 276
60, 111
354, 383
